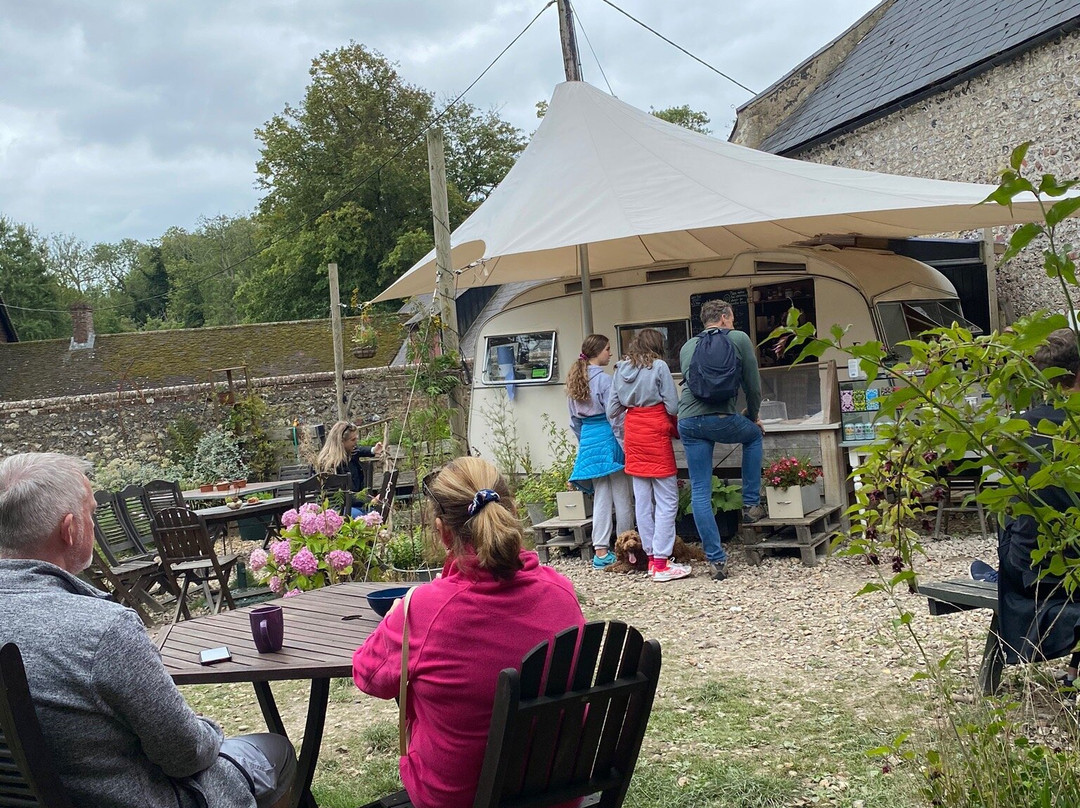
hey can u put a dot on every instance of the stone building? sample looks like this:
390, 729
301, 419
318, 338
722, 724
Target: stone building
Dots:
943, 89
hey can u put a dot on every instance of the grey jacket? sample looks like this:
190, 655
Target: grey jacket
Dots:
640, 387
120, 733
599, 386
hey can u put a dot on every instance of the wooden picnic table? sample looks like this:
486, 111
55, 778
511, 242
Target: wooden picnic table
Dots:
322, 630
195, 495
267, 511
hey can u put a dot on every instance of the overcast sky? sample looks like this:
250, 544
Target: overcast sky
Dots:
122, 118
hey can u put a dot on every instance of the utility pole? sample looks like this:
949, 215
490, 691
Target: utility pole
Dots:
339, 353
444, 300
572, 68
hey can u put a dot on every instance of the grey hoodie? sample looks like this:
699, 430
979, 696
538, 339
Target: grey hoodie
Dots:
120, 733
640, 387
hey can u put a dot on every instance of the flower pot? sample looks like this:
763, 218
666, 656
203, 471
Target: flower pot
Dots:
363, 352
424, 574
251, 529
239, 483
727, 522
223, 486
794, 502
206, 488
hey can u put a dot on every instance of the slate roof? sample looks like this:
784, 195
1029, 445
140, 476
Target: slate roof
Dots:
917, 48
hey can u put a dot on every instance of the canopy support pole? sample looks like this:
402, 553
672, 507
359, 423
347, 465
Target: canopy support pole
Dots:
586, 290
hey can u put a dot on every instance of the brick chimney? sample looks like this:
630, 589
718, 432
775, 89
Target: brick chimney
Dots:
82, 326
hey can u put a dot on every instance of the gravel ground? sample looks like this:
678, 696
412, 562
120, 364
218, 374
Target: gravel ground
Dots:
781, 619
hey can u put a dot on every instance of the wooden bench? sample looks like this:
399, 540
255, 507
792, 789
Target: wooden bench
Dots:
961, 595
573, 534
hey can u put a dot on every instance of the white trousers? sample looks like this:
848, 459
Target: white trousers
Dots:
656, 500
606, 490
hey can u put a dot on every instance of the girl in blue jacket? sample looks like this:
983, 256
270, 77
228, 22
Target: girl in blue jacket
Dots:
599, 463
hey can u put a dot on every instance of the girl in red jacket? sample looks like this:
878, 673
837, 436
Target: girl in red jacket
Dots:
642, 408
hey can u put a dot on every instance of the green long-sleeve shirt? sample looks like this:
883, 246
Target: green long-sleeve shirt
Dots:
690, 405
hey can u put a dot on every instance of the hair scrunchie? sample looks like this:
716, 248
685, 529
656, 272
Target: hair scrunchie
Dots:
482, 498
583, 357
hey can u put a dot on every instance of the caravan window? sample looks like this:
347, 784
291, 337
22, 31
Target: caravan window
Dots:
676, 333
520, 358
904, 320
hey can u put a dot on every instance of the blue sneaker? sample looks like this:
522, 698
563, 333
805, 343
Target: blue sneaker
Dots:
601, 562
981, 571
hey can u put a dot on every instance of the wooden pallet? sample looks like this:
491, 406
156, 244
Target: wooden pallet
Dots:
566, 534
809, 535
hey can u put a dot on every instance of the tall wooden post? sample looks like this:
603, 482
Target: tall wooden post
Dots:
445, 302
339, 352
572, 68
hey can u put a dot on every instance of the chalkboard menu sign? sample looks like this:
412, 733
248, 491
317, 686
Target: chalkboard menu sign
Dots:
740, 307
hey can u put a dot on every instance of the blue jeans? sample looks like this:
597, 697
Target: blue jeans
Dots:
699, 434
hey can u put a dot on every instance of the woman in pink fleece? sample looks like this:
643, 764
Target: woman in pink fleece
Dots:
493, 604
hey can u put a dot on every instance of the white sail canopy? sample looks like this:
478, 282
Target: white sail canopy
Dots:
640, 191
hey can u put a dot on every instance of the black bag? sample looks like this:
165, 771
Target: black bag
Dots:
715, 371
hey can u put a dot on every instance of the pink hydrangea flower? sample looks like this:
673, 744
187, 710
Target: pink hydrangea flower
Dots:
275, 585
310, 523
280, 551
372, 518
309, 507
292, 593
288, 519
257, 560
305, 562
339, 559
332, 522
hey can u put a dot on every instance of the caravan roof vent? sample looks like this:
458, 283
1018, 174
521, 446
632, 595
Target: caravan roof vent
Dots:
778, 266
575, 286
673, 274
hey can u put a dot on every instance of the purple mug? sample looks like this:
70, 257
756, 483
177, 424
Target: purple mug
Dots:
267, 628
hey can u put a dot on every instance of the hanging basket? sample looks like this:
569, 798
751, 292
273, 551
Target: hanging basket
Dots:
363, 352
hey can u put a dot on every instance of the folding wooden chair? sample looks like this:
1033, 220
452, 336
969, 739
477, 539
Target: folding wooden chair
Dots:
187, 553
137, 515
160, 494
100, 575
127, 569
568, 727
27, 775
322, 487
387, 491
291, 473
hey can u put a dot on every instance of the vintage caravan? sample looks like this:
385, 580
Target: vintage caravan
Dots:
523, 352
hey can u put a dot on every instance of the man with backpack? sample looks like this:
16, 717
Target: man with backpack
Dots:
715, 364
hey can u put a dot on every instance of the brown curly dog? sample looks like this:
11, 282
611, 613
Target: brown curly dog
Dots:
630, 557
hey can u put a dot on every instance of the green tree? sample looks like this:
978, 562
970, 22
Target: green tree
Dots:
346, 180
32, 295
683, 116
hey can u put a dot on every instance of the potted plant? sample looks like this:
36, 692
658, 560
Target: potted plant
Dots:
365, 339
791, 488
410, 558
726, 505
536, 488
217, 458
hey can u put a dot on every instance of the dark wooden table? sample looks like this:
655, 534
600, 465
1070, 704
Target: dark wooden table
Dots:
322, 630
267, 511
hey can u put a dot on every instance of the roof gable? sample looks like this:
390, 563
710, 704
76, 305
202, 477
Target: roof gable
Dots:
917, 46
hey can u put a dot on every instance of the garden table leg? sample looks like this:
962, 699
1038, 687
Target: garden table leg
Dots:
318, 697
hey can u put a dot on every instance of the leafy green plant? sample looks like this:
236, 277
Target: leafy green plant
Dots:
725, 497
248, 421
984, 756
121, 472
217, 457
181, 439
539, 485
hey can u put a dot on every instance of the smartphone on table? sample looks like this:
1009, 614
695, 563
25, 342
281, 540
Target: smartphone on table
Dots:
211, 656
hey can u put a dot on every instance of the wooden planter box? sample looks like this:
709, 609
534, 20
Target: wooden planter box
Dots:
794, 502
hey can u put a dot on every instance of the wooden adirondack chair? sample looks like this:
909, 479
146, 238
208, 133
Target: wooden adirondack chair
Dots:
27, 775
126, 568
567, 728
189, 558
324, 486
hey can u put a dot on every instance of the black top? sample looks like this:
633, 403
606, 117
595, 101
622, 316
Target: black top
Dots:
353, 468
1037, 617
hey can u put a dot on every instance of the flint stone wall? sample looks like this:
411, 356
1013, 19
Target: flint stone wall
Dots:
967, 133
132, 424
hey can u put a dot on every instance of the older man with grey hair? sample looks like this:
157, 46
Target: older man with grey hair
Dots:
118, 730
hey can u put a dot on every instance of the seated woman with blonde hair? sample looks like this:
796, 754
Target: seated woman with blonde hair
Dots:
493, 604
341, 455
